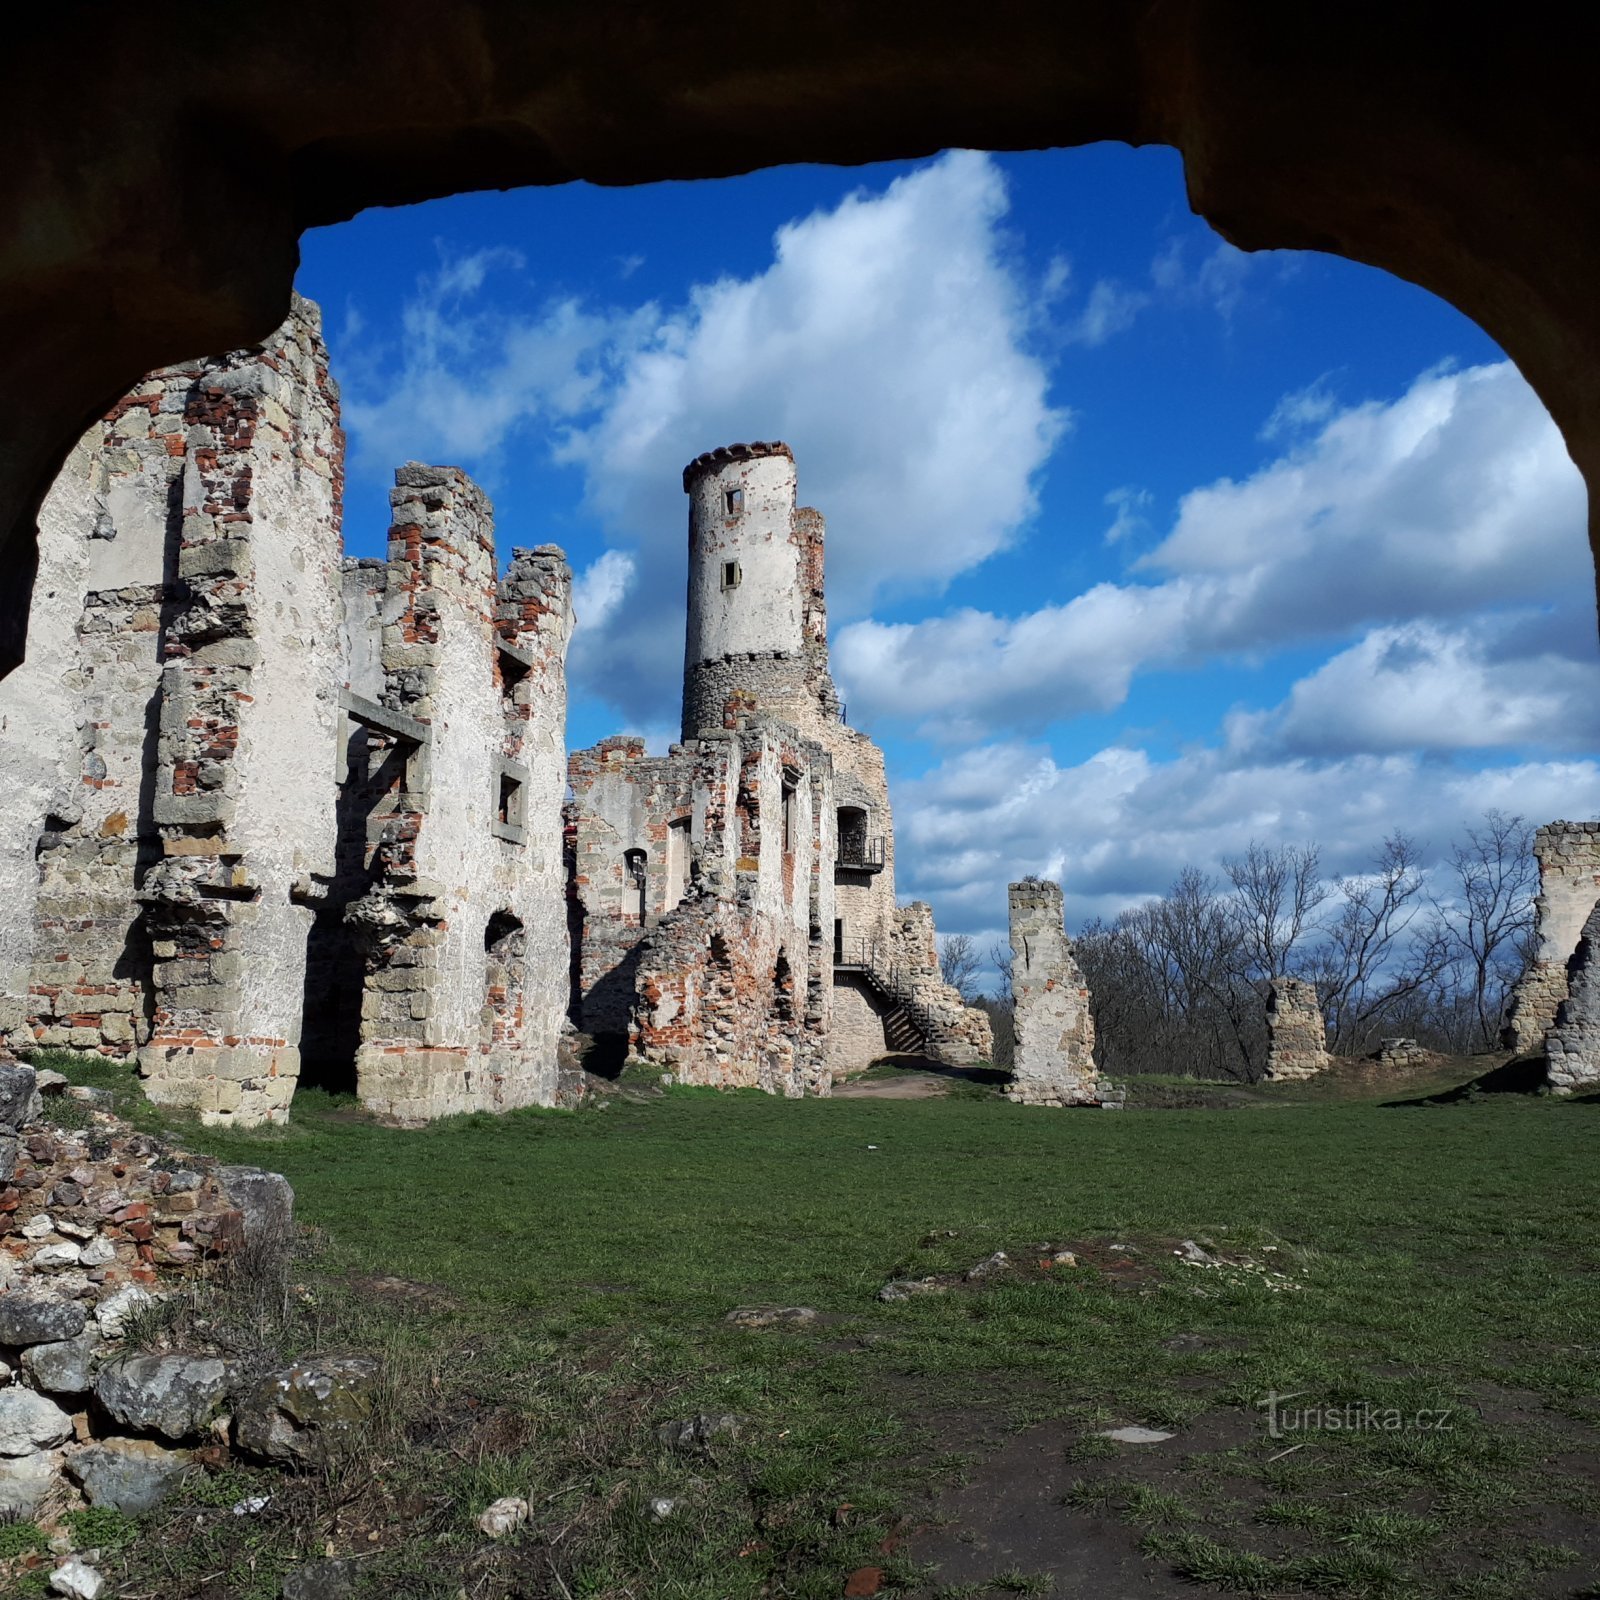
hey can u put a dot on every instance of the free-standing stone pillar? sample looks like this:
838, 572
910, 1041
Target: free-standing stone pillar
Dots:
1054, 1051
1297, 1036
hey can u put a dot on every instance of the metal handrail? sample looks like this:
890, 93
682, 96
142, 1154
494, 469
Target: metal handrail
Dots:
866, 853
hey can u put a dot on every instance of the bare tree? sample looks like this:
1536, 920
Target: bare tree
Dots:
1279, 893
1483, 922
1000, 958
960, 964
1366, 968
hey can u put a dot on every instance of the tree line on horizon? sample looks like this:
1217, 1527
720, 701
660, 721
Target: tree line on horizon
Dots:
1178, 984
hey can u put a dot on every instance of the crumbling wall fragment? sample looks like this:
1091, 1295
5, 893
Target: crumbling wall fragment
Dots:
1574, 1040
1568, 854
464, 926
1053, 1061
243, 803
1297, 1036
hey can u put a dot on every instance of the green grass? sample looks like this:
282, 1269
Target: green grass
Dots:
578, 1267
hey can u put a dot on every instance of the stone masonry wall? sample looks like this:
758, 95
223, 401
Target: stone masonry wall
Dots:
1053, 1063
1568, 854
248, 722
78, 739
98, 1223
1297, 1036
1574, 1041
733, 986
465, 930
953, 1032
664, 813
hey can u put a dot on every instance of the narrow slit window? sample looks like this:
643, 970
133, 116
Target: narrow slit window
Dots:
731, 574
510, 801
734, 500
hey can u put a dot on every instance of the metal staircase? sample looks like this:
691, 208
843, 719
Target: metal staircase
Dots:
908, 1025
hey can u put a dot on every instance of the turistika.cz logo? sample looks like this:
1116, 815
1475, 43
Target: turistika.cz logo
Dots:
1359, 1416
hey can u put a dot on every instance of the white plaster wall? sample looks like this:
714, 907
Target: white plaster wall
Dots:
361, 627
38, 716
456, 847
1565, 902
764, 613
287, 761
535, 872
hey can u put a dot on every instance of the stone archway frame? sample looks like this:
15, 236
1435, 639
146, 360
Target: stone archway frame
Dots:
162, 171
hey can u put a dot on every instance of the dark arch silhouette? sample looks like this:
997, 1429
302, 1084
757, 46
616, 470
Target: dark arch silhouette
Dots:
153, 208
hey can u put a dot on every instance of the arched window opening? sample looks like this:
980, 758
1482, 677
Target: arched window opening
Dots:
636, 870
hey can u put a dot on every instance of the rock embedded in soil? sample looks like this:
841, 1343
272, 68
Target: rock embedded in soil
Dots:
905, 1288
132, 1476
30, 1422
1135, 1435
323, 1580
506, 1515
297, 1412
698, 1432
77, 1580
771, 1316
988, 1267
173, 1395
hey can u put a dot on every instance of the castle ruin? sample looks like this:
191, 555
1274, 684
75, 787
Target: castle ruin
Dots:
273, 814
734, 912
269, 810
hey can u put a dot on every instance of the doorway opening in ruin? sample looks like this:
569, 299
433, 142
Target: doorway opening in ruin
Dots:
375, 776
503, 981
783, 1006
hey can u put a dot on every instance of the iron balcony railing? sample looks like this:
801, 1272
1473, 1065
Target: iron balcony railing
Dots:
860, 855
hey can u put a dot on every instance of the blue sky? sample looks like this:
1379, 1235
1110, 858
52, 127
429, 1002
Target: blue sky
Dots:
1139, 547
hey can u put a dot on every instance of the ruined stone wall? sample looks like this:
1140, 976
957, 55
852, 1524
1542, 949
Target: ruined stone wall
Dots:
73, 732
1574, 1041
733, 986
1568, 854
1297, 1035
243, 802
1053, 1064
533, 623
859, 1035
465, 929
627, 807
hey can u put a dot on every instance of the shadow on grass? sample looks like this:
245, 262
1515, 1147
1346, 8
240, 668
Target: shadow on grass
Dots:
891, 1066
1525, 1076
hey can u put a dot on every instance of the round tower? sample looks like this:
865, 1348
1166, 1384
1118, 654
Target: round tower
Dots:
748, 582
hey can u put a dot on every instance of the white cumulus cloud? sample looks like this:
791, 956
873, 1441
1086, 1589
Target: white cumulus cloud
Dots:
1454, 500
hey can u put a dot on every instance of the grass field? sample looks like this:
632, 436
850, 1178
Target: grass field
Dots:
548, 1288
